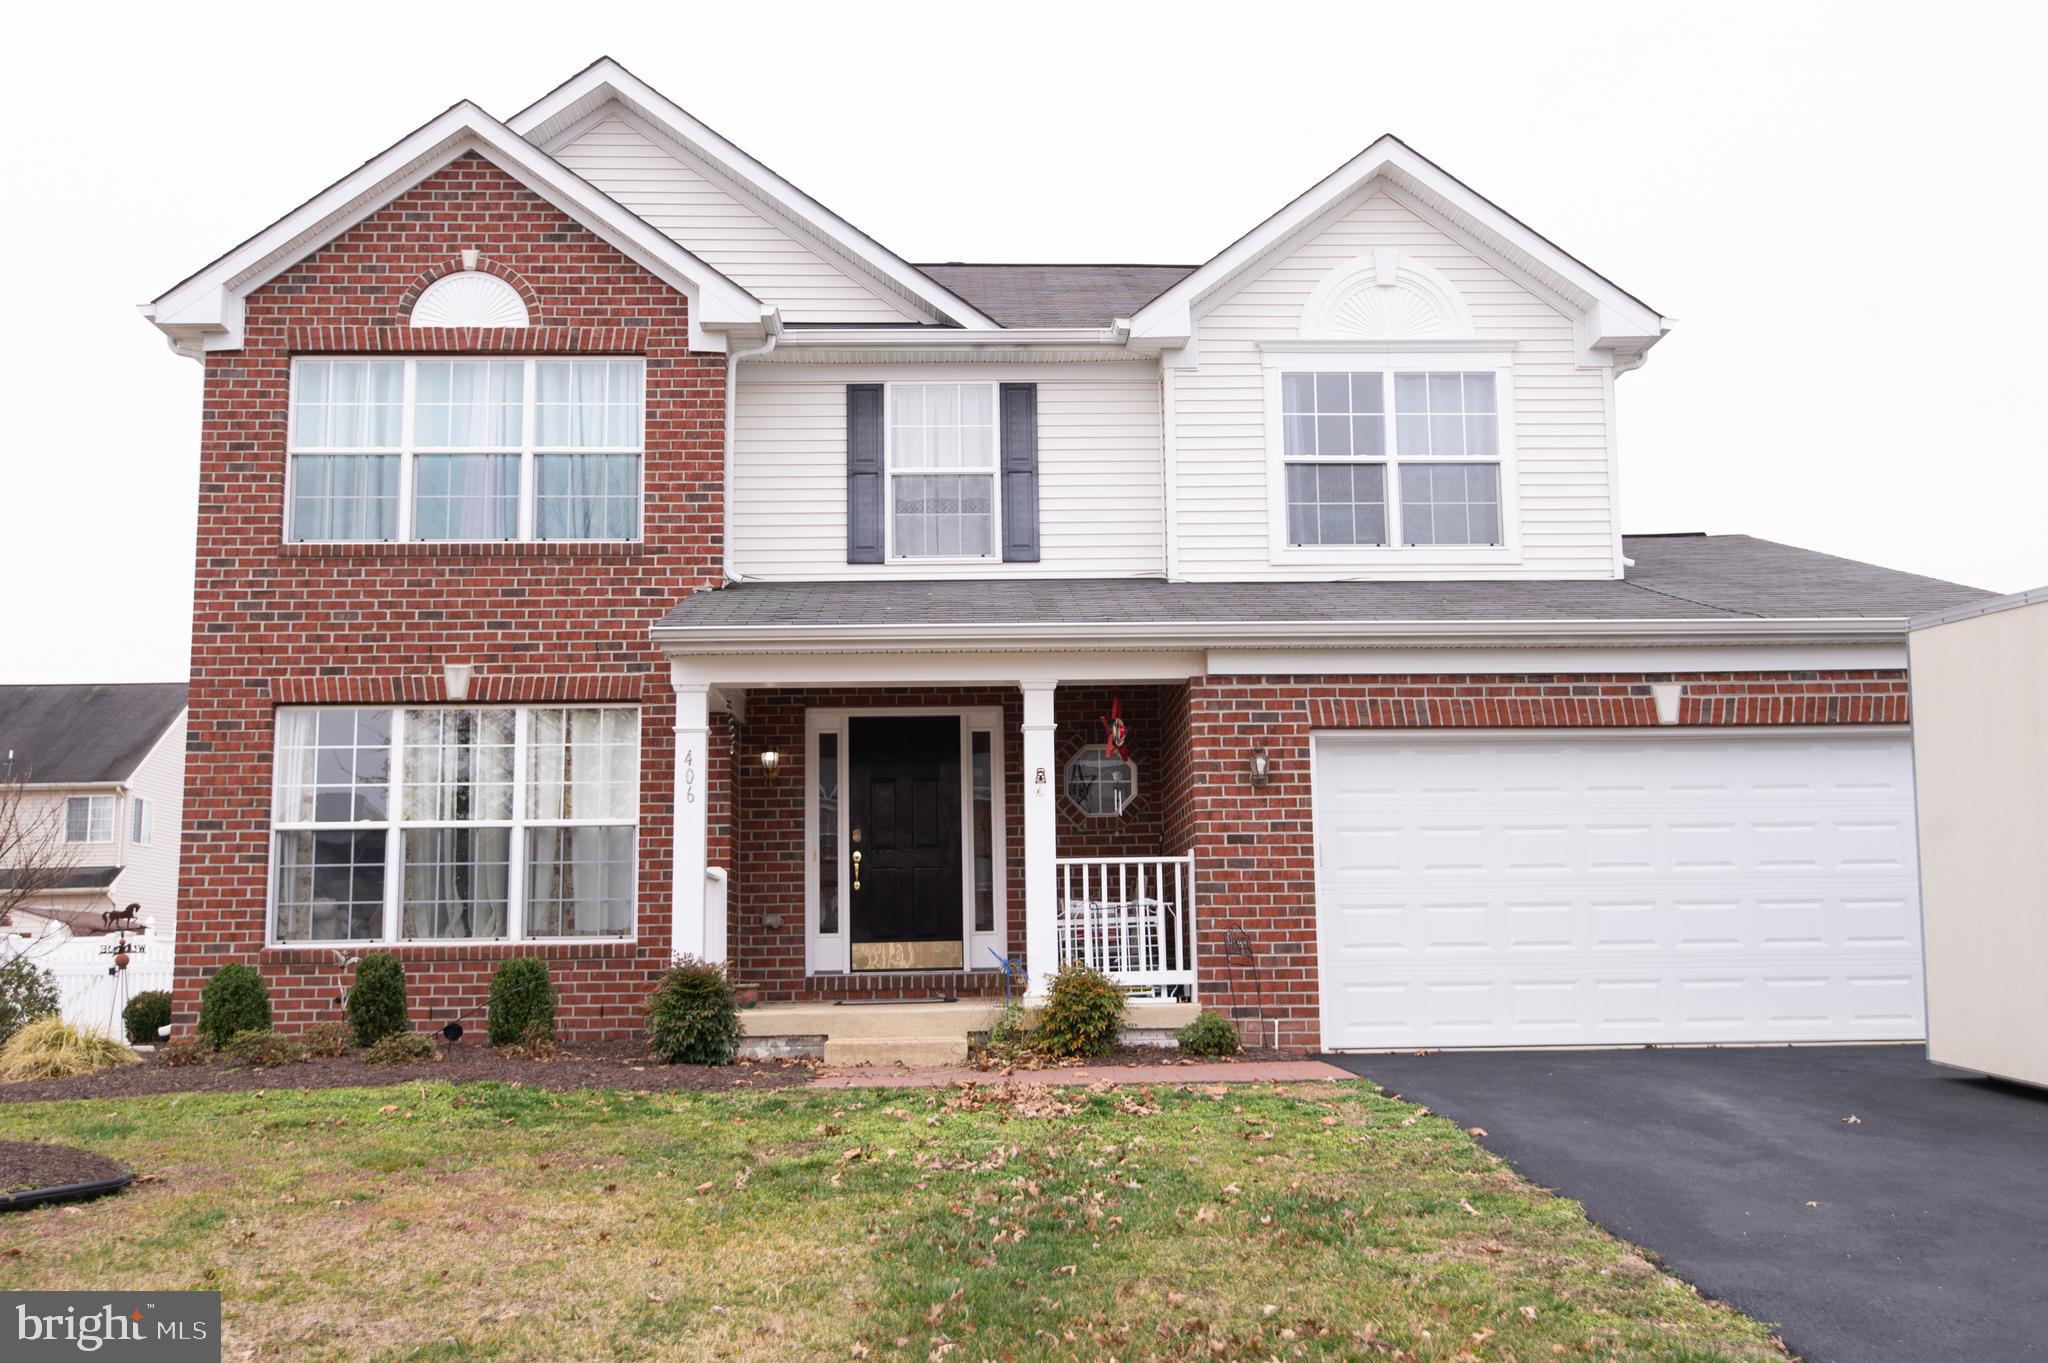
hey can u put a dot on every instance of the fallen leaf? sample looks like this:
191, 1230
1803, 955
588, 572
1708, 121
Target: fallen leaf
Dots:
1475, 1131
1813, 1204
1469, 1209
1853, 1120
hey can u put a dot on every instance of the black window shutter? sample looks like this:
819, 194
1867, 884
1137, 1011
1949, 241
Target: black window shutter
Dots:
864, 473
1019, 412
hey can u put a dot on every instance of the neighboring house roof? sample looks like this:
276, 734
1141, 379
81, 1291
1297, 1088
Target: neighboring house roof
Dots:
72, 878
1058, 295
80, 735
555, 116
204, 310
1716, 584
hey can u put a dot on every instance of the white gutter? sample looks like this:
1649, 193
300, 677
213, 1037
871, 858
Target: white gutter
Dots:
732, 389
952, 338
880, 637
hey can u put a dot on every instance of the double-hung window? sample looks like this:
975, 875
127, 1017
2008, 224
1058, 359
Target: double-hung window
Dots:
141, 821
89, 818
1378, 458
942, 465
455, 823
465, 449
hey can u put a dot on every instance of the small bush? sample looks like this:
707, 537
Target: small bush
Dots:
1010, 1041
376, 1006
693, 1015
262, 1050
1209, 1034
51, 1048
145, 1013
234, 1001
537, 1044
27, 992
326, 1040
185, 1050
1081, 1013
402, 1048
522, 1002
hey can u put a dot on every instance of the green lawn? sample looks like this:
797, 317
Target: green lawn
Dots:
495, 1222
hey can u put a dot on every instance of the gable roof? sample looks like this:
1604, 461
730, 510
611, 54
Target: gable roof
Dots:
1698, 587
84, 735
1058, 295
1609, 317
556, 116
204, 311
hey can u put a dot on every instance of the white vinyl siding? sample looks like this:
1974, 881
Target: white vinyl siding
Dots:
1559, 433
734, 236
1100, 479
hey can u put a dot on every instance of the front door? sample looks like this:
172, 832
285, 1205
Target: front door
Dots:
904, 856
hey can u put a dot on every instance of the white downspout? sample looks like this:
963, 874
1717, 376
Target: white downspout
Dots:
732, 389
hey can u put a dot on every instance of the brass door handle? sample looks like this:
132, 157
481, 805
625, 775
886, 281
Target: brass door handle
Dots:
856, 870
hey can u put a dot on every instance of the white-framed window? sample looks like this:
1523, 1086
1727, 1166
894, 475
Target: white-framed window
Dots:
465, 449
941, 459
1099, 785
89, 818
141, 821
1399, 454
455, 823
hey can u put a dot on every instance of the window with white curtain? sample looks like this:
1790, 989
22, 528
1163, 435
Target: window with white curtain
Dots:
466, 449
1421, 469
89, 818
455, 823
941, 454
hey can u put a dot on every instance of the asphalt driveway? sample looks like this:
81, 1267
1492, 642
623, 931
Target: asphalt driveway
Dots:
1930, 1239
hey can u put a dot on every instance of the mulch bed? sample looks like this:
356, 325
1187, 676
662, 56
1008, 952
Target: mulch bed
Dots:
1140, 1057
580, 1065
26, 1165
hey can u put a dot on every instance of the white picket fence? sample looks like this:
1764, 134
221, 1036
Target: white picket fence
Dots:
90, 992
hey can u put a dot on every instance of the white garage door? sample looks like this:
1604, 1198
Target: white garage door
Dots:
1529, 891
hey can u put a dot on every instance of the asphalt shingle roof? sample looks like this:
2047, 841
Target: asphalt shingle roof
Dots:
100, 732
71, 878
1675, 577
1058, 295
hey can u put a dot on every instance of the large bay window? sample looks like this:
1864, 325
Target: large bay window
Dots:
465, 449
941, 458
1398, 457
455, 823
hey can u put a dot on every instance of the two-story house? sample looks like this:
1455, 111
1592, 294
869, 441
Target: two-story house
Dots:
607, 551
92, 782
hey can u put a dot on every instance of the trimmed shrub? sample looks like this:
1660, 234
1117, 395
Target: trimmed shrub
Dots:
234, 1000
402, 1048
326, 1040
51, 1048
27, 992
1209, 1034
262, 1050
145, 1013
1081, 1015
376, 1005
693, 1015
522, 1002
185, 1050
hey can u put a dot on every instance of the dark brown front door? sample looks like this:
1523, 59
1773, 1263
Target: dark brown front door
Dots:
904, 842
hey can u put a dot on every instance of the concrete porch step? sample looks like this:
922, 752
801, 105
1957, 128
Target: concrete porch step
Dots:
915, 1052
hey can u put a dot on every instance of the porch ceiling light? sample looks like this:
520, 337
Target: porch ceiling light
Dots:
771, 763
1259, 767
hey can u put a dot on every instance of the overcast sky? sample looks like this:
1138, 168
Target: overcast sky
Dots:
1840, 206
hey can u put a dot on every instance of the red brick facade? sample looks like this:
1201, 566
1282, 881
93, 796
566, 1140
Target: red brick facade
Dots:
275, 623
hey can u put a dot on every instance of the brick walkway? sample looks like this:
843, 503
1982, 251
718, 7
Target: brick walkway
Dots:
1248, 1072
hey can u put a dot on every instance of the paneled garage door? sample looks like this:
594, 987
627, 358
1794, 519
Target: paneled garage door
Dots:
1548, 890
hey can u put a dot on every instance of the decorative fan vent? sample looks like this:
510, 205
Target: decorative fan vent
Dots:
1379, 312
469, 299
1386, 296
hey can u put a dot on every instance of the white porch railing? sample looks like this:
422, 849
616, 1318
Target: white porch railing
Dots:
1132, 918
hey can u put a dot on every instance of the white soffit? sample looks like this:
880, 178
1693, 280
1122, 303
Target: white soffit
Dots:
204, 312
563, 111
1611, 318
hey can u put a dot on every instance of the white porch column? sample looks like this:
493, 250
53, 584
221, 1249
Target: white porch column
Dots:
692, 826
1041, 823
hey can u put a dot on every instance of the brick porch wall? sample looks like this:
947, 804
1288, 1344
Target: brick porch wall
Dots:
1254, 849
277, 623
766, 932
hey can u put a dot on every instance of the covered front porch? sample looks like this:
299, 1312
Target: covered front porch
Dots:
854, 828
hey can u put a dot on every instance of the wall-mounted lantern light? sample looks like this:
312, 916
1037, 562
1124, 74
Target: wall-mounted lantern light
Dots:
1259, 767
771, 763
